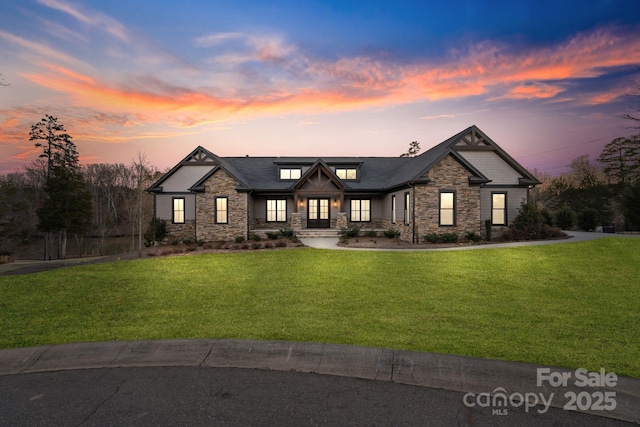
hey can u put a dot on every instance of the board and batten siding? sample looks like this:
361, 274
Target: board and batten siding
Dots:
184, 178
492, 166
386, 206
515, 196
164, 206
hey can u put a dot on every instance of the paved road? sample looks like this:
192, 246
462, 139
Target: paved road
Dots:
267, 383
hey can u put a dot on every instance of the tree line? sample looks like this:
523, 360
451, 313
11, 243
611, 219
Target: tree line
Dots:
600, 192
56, 199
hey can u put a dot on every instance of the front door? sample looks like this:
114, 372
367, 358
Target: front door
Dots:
318, 214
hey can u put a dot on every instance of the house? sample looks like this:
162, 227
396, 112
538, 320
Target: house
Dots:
453, 187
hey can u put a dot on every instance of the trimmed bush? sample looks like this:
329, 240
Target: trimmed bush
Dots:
349, 233
449, 237
272, 235
287, 233
487, 229
472, 236
239, 239
371, 233
256, 237
431, 238
391, 233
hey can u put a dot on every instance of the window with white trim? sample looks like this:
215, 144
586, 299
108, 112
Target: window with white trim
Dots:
393, 209
290, 173
447, 208
407, 200
498, 208
276, 210
360, 210
222, 210
178, 210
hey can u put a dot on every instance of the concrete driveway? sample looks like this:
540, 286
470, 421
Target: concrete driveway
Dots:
575, 236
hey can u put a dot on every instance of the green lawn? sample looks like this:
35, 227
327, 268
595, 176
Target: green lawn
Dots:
572, 305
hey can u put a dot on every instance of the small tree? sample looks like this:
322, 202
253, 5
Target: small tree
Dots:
156, 232
528, 215
67, 206
621, 160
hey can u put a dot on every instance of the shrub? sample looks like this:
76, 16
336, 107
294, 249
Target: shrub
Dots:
156, 232
449, 237
431, 238
391, 233
547, 218
371, 233
565, 218
268, 245
287, 233
528, 215
256, 237
487, 229
256, 245
281, 244
272, 235
7, 257
188, 242
239, 239
588, 219
349, 233
532, 232
472, 236
245, 246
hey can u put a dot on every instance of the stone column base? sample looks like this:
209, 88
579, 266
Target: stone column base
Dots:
341, 221
296, 221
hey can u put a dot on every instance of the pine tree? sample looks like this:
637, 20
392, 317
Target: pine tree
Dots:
621, 160
67, 207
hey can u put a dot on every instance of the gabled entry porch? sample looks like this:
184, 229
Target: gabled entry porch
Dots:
319, 199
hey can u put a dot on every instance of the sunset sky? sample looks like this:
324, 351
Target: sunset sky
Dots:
546, 80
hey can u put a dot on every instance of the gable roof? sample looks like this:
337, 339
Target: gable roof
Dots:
375, 173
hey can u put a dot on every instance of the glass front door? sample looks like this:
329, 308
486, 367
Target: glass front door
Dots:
318, 213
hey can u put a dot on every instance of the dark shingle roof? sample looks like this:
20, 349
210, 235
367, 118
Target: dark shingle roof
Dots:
376, 173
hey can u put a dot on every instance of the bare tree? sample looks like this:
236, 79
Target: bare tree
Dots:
635, 116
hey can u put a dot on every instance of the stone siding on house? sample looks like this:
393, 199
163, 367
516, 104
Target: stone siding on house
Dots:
448, 174
186, 231
220, 184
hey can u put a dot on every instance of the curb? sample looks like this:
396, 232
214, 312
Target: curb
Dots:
479, 378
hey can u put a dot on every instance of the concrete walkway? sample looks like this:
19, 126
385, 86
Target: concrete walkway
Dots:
575, 236
32, 378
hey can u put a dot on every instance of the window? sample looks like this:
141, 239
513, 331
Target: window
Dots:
178, 210
360, 210
347, 173
447, 208
407, 200
393, 209
498, 208
276, 210
222, 213
290, 173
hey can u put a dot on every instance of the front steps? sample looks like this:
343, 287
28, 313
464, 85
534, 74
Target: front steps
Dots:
317, 232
